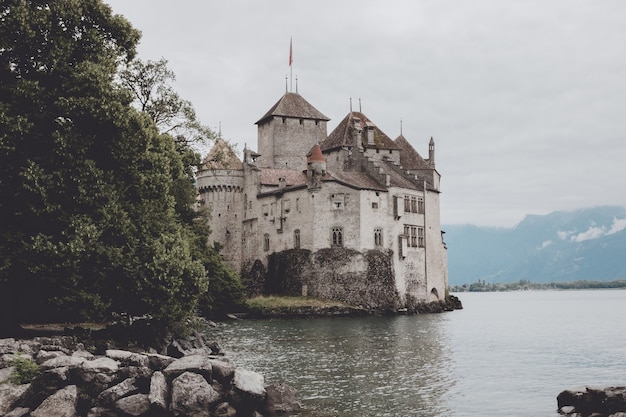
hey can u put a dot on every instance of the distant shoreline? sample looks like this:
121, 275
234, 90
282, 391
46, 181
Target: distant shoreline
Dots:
524, 285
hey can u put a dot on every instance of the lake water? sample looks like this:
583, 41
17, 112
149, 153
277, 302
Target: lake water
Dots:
504, 354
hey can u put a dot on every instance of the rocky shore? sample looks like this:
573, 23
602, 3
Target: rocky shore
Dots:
188, 377
593, 402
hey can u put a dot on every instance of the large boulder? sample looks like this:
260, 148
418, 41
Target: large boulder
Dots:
134, 405
110, 396
281, 398
197, 363
192, 395
9, 396
60, 404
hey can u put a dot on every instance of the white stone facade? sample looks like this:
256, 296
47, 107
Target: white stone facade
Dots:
354, 189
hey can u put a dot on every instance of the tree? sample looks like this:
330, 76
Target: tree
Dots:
89, 219
149, 83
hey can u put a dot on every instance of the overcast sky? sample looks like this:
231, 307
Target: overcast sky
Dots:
526, 100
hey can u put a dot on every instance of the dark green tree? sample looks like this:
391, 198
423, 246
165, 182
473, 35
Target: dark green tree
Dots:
149, 84
89, 220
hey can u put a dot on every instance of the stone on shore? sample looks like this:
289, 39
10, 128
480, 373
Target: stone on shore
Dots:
60, 404
609, 401
192, 395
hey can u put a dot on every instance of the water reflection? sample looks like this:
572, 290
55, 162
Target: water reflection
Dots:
373, 366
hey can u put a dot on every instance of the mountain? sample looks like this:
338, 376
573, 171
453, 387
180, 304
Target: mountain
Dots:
585, 244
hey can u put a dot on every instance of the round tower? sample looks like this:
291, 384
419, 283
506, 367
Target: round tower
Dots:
220, 190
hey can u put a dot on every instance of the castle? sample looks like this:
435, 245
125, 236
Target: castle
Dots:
351, 216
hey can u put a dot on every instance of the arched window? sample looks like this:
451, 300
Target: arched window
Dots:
266, 242
378, 237
296, 238
337, 235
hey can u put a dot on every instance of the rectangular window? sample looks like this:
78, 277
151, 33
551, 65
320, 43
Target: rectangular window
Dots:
413, 204
414, 236
375, 206
420, 205
407, 204
420, 237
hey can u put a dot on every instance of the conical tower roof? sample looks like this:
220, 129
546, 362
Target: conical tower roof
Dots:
222, 156
293, 105
315, 155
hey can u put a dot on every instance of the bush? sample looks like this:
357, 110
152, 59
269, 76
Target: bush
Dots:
24, 370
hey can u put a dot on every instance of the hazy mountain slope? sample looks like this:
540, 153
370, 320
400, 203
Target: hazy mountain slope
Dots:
561, 246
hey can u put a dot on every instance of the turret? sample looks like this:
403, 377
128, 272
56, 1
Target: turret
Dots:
316, 167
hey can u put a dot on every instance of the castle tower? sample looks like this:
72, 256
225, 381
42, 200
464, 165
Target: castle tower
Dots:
288, 131
431, 152
220, 188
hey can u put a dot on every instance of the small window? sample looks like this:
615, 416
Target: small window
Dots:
337, 236
414, 236
296, 238
301, 121
375, 205
420, 237
413, 204
378, 237
407, 204
266, 242
420, 205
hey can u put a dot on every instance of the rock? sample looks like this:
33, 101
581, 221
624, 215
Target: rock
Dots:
101, 412
159, 391
590, 401
5, 374
250, 383
281, 398
60, 404
225, 410
192, 395
128, 358
223, 369
110, 396
199, 364
44, 355
9, 395
159, 362
134, 405
63, 360
100, 370
18, 412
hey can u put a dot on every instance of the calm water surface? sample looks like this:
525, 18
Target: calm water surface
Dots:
505, 354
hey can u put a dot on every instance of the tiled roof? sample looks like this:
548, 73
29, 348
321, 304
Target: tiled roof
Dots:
222, 156
342, 135
358, 180
270, 176
293, 105
409, 157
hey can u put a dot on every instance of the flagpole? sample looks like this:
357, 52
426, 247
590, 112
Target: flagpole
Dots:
291, 62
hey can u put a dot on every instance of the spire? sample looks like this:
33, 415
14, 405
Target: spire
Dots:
431, 151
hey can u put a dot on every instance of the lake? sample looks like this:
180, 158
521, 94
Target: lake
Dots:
504, 354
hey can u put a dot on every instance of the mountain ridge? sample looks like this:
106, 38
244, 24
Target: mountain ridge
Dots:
580, 244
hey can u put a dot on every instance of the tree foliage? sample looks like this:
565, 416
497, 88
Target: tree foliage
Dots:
94, 195
149, 83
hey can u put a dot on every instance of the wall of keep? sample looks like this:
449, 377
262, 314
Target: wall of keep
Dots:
285, 141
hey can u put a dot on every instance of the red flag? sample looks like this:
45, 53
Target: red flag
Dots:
290, 53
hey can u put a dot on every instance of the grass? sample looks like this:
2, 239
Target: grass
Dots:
278, 302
